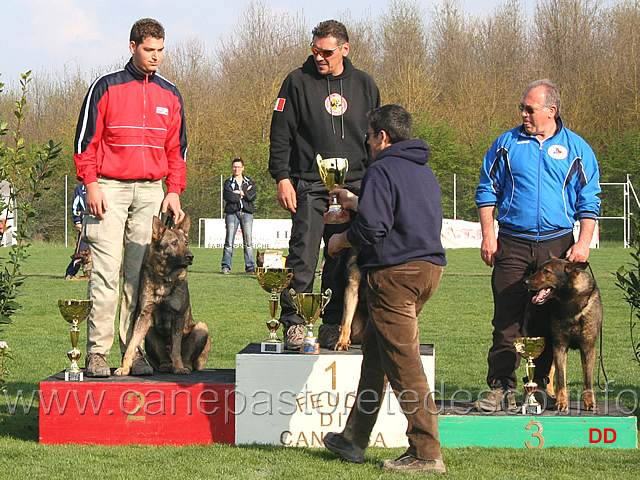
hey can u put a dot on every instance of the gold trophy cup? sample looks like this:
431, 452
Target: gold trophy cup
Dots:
309, 307
530, 348
274, 281
333, 172
75, 312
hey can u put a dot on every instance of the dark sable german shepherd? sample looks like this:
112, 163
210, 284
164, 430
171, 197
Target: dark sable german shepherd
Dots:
576, 316
173, 341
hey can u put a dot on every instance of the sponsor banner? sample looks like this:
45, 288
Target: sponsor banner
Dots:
274, 234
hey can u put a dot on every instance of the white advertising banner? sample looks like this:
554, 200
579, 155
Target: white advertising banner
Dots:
274, 234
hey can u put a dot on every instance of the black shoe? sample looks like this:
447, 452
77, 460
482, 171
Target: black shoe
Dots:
335, 442
409, 463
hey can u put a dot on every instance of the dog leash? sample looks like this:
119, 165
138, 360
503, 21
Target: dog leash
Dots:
600, 357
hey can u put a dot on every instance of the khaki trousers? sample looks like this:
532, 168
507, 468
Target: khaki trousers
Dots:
127, 223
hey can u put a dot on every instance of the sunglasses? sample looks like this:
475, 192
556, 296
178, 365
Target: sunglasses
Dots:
528, 109
323, 53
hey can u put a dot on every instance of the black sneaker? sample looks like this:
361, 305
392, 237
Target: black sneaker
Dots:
294, 336
139, 366
328, 335
335, 442
96, 366
409, 463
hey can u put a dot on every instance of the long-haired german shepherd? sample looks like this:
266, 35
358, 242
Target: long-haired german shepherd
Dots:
173, 341
355, 313
575, 311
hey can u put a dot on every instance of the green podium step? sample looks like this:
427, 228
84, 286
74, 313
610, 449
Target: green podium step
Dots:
613, 426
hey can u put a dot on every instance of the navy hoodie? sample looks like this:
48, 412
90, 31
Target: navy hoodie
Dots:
399, 210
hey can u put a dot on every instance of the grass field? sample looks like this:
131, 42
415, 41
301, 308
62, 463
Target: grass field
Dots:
457, 320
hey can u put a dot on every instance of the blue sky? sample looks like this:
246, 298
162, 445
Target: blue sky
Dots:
53, 35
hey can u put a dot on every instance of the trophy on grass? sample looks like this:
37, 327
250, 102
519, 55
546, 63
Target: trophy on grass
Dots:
75, 312
274, 281
530, 348
333, 172
309, 307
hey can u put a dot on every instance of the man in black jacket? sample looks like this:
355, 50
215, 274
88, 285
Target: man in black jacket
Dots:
239, 195
321, 109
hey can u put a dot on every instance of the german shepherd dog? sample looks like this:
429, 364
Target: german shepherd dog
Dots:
355, 313
83, 256
173, 341
576, 317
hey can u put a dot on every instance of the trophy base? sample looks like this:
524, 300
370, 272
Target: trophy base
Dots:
73, 376
266, 347
334, 217
531, 409
310, 348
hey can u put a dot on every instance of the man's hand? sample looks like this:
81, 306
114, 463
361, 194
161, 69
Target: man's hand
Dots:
347, 199
172, 201
489, 244
338, 242
78, 227
96, 201
287, 195
579, 252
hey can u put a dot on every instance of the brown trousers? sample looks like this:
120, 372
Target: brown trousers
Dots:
391, 350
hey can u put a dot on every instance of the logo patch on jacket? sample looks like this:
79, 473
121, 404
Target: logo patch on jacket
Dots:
336, 104
558, 152
280, 104
162, 110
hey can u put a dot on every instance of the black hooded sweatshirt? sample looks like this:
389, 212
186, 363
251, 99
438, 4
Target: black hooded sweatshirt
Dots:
321, 114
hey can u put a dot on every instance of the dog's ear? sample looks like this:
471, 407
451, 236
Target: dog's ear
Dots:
572, 267
185, 225
158, 229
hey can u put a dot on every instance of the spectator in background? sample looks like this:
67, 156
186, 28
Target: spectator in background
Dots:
78, 207
239, 194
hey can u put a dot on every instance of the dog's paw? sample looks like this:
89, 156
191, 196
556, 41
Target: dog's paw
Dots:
182, 371
121, 372
561, 405
342, 346
165, 367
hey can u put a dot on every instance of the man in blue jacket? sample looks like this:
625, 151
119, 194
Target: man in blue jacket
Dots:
398, 229
540, 178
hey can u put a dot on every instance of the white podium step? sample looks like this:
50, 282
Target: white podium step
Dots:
294, 399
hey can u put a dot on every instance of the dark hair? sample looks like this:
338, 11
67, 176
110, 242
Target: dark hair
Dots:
238, 159
394, 120
144, 28
331, 28
551, 94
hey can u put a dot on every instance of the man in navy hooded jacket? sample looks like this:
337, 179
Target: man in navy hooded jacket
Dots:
398, 229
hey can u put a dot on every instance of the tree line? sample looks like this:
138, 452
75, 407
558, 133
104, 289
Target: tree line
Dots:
461, 76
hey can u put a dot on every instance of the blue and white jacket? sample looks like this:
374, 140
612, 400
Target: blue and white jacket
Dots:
539, 189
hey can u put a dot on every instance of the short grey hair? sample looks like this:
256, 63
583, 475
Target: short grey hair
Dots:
552, 93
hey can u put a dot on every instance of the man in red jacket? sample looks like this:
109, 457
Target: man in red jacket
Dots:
131, 134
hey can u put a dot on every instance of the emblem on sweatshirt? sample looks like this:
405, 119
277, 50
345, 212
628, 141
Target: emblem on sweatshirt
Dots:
336, 104
162, 110
559, 152
280, 104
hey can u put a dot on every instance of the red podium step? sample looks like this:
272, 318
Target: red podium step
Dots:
163, 409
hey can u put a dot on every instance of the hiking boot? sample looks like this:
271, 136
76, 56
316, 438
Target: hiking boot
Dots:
139, 366
328, 335
496, 400
294, 337
409, 463
96, 366
335, 442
